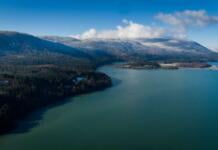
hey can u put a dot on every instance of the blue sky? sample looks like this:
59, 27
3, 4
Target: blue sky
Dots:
69, 17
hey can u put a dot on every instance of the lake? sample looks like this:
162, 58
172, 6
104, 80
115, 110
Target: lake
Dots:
145, 109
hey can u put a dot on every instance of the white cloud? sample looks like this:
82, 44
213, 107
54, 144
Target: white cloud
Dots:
188, 18
215, 49
87, 34
129, 29
181, 21
178, 26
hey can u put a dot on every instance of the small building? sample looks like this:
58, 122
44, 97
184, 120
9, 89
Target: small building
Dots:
4, 82
76, 80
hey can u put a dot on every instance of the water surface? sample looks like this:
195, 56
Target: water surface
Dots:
145, 109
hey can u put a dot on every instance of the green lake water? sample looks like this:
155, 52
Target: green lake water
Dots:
145, 109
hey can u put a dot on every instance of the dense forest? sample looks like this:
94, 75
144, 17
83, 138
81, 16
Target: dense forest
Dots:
36, 72
26, 88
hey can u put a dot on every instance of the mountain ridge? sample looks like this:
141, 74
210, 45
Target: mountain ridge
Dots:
19, 49
141, 48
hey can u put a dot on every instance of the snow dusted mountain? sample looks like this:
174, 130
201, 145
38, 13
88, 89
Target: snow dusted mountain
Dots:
156, 48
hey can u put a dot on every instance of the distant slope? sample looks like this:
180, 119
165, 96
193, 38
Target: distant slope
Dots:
19, 42
101, 56
149, 49
19, 48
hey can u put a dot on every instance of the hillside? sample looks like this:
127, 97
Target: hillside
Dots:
35, 73
143, 49
19, 48
24, 89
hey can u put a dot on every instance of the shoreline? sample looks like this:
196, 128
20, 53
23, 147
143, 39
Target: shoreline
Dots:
165, 66
14, 108
9, 126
